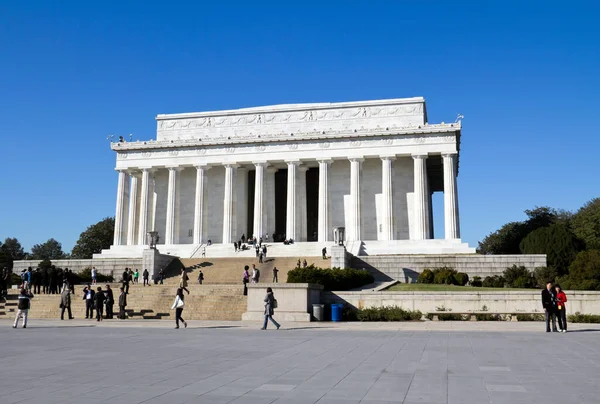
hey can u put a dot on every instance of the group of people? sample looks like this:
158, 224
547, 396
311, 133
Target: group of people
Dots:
554, 301
48, 280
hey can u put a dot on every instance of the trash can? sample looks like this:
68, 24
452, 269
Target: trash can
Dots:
336, 312
319, 312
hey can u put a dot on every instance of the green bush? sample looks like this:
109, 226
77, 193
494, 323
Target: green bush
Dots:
531, 317
489, 317
495, 281
543, 275
476, 282
518, 277
584, 318
387, 313
449, 317
15, 279
444, 276
584, 272
425, 277
331, 279
461, 279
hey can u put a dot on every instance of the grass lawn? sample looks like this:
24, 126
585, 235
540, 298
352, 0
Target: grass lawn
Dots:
424, 287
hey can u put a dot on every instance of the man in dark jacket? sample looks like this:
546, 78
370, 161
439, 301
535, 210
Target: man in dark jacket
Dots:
110, 301
146, 275
549, 304
126, 280
122, 303
99, 299
23, 307
45, 281
88, 296
65, 303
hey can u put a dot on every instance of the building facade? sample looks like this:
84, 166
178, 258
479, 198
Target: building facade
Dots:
291, 172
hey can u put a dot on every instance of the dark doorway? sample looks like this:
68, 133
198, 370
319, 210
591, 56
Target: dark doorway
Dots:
280, 204
312, 203
250, 203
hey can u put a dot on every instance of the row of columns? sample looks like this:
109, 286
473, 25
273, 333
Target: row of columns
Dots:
264, 208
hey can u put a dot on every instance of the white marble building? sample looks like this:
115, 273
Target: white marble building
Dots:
293, 171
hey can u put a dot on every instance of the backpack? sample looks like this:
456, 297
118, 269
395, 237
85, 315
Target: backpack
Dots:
274, 305
257, 273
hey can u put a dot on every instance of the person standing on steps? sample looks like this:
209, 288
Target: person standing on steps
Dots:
324, 252
126, 281
304, 263
183, 281
99, 299
161, 275
65, 303
88, 296
245, 279
110, 302
260, 257
264, 251
122, 304
178, 306
94, 275
200, 277
203, 252
23, 307
136, 276
275, 277
145, 276
298, 263
270, 305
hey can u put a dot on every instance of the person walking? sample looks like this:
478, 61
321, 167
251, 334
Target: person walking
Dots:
183, 280
99, 299
304, 263
200, 277
260, 257
549, 304
94, 275
88, 296
161, 275
178, 306
561, 299
122, 303
110, 302
264, 251
245, 279
203, 252
324, 252
65, 303
270, 305
136, 276
23, 307
146, 276
255, 274
126, 281
298, 263
275, 277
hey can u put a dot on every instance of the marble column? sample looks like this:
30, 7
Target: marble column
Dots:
121, 210
420, 197
355, 232
259, 230
172, 196
270, 203
451, 218
229, 204
199, 204
241, 200
133, 213
291, 228
387, 200
145, 200
324, 219
302, 214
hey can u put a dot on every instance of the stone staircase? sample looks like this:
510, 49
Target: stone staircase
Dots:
206, 302
229, 270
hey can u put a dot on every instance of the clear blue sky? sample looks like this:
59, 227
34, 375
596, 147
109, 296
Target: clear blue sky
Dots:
526, 77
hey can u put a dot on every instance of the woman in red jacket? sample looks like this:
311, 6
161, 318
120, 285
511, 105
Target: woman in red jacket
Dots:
562, 309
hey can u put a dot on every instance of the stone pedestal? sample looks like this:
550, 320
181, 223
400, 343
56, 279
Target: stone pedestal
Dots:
339, 257
294, 301
153, 261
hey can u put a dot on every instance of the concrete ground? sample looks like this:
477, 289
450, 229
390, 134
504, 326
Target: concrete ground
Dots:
80, 361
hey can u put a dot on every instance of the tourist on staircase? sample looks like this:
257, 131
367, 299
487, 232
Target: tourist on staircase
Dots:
146, 275
270, 305
23, 307
183, 281
200, 277
255, 274
125, 280
178, 306
275, 277
122, 304
99, 299
65, 303
136, 276
88, 296
245, 279
110, 302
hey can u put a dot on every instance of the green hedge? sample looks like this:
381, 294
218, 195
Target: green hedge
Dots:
583, 318
387, 313
443, 276
331, 279
85, 276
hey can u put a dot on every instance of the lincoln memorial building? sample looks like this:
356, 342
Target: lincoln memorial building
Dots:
293, 171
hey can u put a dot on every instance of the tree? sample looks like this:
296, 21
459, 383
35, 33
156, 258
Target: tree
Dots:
13, 248
50, 250
557, 242
540, 216
506, 240
586, 223
94, 239
584, 272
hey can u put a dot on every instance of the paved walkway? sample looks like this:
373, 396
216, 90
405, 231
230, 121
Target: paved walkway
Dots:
233, 362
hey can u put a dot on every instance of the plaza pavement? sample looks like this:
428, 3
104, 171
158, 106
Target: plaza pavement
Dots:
149, 362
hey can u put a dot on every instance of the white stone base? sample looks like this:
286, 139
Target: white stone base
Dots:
434, 246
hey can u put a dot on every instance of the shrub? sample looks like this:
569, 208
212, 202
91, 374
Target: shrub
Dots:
444, 276
15, 279
517, 277
584, 272
388, 313
349, 313
461, 279
531, 317
426, 276
488, 317
476, 282
495, 281
543, 275
584, 318
85, 276
331, 279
